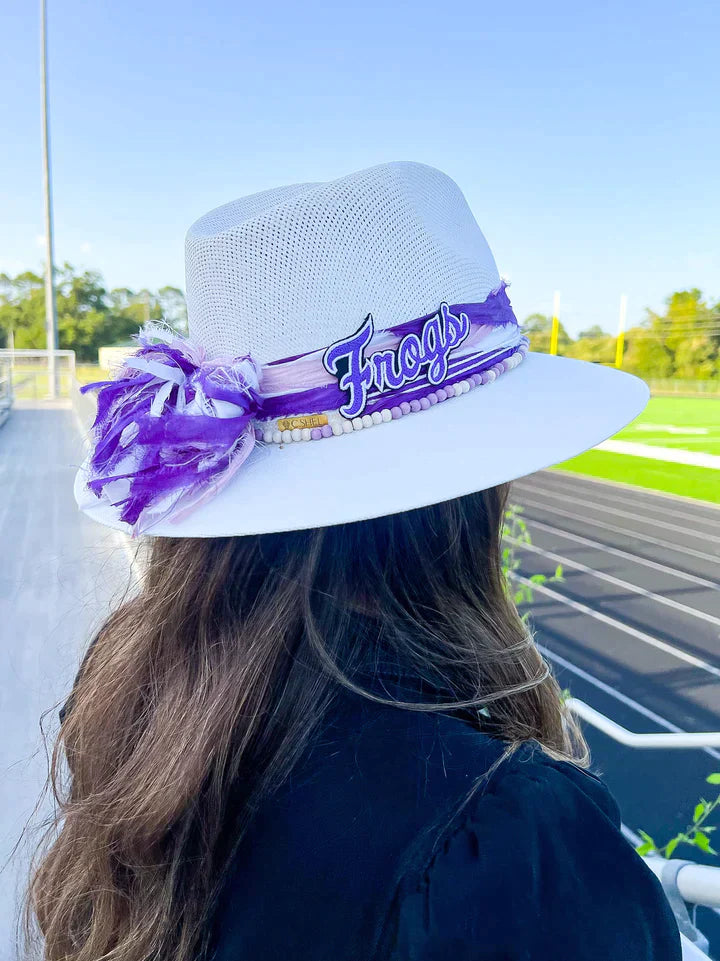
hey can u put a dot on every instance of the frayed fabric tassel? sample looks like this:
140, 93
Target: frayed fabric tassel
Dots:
171, 429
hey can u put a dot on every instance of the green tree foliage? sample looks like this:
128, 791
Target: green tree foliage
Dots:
89, 316
682, 342
593, 345
646, 355
593, 333
695, 834
538, 328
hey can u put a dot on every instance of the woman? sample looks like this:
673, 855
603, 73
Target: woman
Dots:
321, 730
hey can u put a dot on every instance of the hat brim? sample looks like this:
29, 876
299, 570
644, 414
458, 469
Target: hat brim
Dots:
541, 413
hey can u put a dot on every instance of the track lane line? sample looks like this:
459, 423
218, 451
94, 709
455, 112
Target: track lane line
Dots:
690, 551
619, 696
648, 492
633, 515
606, 489
648, 639
625, 555
616, 581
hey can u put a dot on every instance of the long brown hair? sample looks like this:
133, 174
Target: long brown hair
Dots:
201, 692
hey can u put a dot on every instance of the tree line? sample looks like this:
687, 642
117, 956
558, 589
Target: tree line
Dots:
682, 342
89, 315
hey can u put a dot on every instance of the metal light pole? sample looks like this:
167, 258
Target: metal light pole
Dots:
50, 307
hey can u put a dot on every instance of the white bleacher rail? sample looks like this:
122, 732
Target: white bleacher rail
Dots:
697, 884
691, 952
31, 373
617, 732
6, 392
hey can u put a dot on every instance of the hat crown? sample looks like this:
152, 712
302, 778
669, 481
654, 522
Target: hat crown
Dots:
296, 268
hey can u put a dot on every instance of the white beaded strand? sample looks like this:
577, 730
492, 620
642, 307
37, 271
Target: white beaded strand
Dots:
339, 425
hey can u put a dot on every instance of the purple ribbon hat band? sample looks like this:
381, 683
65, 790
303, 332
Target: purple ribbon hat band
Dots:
174, 427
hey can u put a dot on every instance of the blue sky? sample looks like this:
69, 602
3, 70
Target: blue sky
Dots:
585, 136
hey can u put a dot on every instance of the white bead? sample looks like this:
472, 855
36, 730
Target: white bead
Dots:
286, 436
357, 424
465, 384
337, 429
348, 426
306, 435
297, 434
276, 437
367, 420
386, 415
268, 436
376, 417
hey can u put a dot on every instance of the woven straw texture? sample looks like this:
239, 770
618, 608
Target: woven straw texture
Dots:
296, 268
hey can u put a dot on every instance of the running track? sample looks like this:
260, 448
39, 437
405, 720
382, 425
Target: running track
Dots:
633, 630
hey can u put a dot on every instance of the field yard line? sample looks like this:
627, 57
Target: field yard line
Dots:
618, 582
625, 628
694, 443
692, 458
633, 515
619, 696
690, 551
626, 555
669, 429
648, 492
619, 488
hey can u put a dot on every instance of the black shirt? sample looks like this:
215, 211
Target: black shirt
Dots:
377, 848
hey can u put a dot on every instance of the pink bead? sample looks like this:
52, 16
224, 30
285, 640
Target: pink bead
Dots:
442, 395
315, 433
432, 398
415, 406
396, 413
424, 403
449, 390
405, 407
476, 379
326, 430
258, 434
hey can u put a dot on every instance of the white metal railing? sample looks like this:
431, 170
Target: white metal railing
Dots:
6, 392
39, 375
630, 739
685, 882
691, 952
697, 883
682, 881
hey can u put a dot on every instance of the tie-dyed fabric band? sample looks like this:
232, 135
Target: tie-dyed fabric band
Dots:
174, 427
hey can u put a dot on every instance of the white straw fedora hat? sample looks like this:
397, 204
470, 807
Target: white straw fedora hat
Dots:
352, 353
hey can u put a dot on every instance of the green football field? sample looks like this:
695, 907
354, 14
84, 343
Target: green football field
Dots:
685, 423
678, 423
